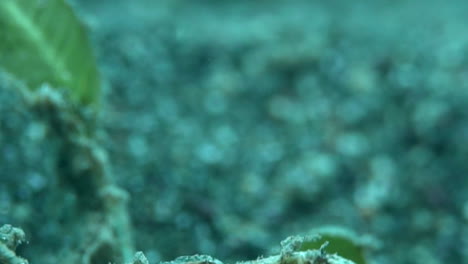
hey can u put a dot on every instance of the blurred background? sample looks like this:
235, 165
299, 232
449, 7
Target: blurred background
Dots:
233, 124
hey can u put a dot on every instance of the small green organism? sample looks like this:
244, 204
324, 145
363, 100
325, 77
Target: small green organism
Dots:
338, 240
42, 41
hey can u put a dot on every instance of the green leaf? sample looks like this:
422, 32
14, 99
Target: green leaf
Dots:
342, 241
42, 41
